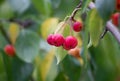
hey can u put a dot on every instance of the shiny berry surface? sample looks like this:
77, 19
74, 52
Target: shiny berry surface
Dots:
58, 40
70, 43
77, 26
9, 49
50, 39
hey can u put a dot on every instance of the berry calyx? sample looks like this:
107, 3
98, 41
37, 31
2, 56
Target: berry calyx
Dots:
9, 50
50, 39
77, 26
58, 40
70, 43
115, 19
118, 5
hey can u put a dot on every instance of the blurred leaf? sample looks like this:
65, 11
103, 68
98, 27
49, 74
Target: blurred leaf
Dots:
43, 6
71, 67
105, 8
3, 41
13, 32
95, 26
27, 45
46, 67
85, 5
61, 77
55, 3
15, 67
20, 5
65, 8
6, 10
106, 57
1, 1
60, 54
48, 26
46, 64
3, 76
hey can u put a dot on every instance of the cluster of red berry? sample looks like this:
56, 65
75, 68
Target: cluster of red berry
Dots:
116, 16
67, 43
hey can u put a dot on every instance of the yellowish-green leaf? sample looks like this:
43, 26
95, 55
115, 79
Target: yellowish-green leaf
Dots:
46, 64
13, 32
95, 26
48, 26
60, 54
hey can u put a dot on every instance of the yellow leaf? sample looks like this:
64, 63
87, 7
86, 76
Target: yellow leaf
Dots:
46, 64
48, 26
13, 32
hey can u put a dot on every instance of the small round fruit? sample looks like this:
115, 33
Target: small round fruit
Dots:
115, 19
75, 52
58, 40
50, 39
10, 50
70, 43
77, 26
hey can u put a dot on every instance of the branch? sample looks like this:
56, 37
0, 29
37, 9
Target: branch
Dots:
75, 10
109, 26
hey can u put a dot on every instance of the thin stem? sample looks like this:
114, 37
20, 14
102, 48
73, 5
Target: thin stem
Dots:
76, 10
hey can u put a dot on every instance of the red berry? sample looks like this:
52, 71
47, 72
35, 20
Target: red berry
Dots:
50, 39
77, 26
118, 5
115, 19
9, 49
70, 43
58, 40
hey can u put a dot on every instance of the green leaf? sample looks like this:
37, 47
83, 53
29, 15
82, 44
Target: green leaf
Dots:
3, 76
6, 10
95, 26
43, 6
27, 45
60, 54
20, 5
106, 57
61, 77
15, 67
71, 67
85, 5
105, 8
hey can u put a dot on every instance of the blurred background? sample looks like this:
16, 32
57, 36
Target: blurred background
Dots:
42, 17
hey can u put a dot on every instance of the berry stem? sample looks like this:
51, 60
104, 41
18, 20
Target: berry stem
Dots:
109, 26
75, 11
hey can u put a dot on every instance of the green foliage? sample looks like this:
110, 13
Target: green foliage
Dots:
35, 60
95, 26
27, 45
105, 8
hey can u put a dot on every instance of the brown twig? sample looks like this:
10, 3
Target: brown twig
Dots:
76, 10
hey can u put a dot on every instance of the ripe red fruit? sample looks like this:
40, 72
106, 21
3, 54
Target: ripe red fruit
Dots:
10, 50
118, 5
50, 39
70, 43
115, 19
58, 40
77, 26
